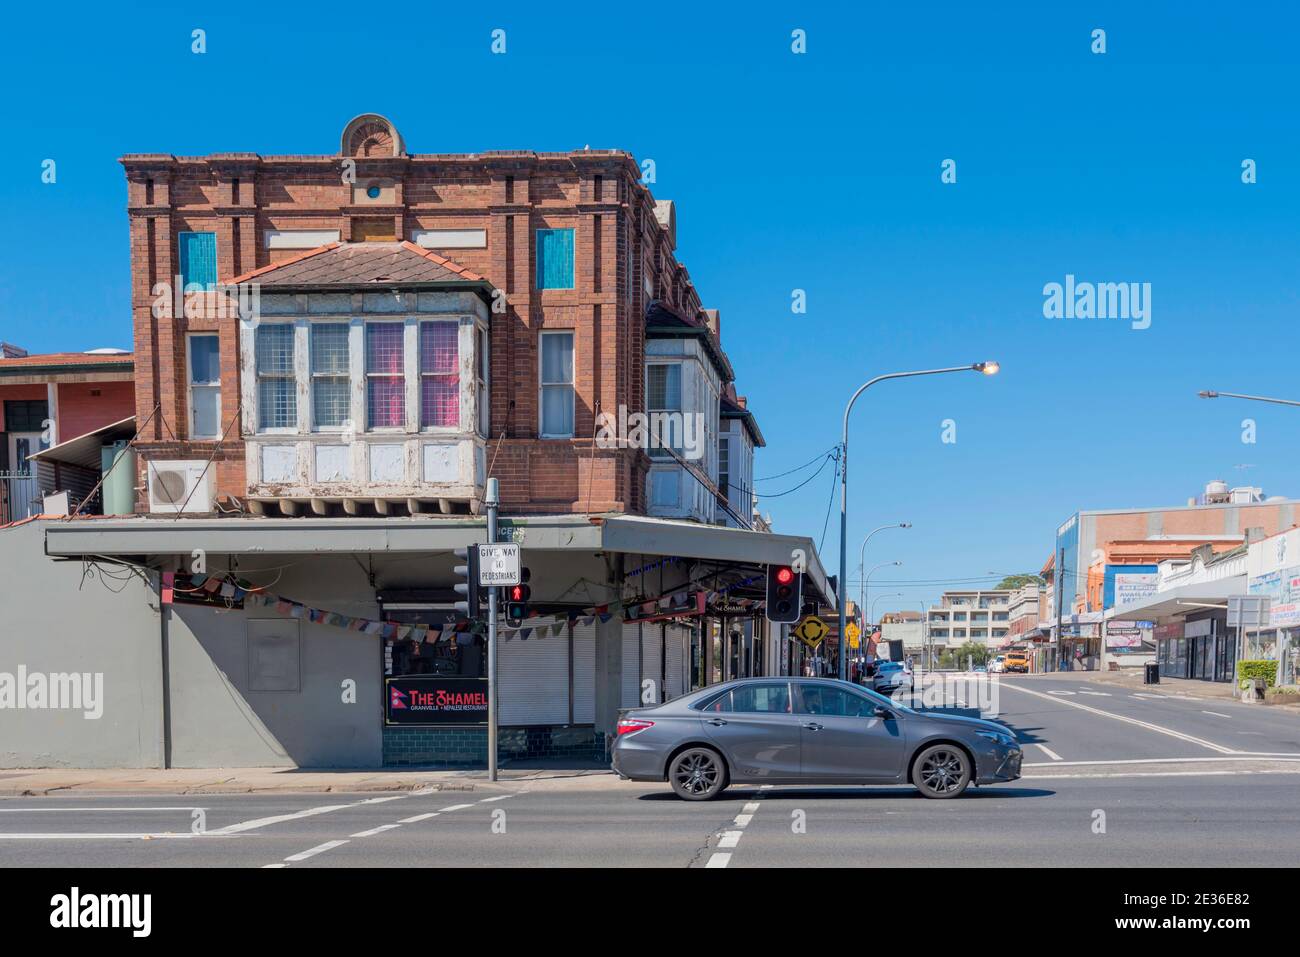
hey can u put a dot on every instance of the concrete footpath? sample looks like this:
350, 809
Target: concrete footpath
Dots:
1132, 681
19, 782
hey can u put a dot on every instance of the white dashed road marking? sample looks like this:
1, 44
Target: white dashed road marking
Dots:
731, 837
418, 818
1049, 752
376, 830
312, 852
1134, 721
719, 860
1216, 714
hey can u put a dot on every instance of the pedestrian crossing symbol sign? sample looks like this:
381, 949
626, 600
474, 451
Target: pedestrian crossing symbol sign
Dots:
811, 631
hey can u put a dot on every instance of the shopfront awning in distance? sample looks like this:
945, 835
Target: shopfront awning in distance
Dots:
1183, 600
630, 534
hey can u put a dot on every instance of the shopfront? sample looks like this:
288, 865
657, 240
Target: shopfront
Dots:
1274, 571
333, 643
1171, 649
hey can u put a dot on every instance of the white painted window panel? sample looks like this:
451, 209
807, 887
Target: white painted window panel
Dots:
450, 238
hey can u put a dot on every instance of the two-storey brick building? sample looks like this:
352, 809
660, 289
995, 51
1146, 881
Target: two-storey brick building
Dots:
411, 322
333, 354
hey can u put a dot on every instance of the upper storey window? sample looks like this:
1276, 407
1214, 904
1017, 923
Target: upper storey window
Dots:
555, 259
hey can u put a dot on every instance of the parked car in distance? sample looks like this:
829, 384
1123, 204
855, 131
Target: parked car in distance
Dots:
891, 675
808, 731
1016, 661
996, 666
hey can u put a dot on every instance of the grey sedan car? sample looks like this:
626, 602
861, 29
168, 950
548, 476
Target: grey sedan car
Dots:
807, 731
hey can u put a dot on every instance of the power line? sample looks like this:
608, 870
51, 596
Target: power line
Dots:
800, 468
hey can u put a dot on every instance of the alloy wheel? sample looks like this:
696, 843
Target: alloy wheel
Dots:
942, 770
697, 774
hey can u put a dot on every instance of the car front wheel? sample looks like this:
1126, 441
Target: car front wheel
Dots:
698, 774
941, 771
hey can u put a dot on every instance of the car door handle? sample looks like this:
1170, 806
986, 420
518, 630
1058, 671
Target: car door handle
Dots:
813, 726
716, 722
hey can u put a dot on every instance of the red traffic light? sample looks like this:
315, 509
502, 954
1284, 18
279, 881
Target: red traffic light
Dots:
784, 575
516, 592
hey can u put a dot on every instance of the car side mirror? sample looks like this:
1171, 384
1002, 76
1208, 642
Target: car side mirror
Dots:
883, 713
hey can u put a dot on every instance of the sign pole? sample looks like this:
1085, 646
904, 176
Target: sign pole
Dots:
491, 502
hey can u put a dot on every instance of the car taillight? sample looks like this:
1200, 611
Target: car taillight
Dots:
633, 725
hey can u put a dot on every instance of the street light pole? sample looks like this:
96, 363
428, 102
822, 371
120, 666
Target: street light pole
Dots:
866, 579
862, 558
987, 368
1210, 394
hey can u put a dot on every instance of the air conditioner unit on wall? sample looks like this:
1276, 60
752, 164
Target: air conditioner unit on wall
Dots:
180, 486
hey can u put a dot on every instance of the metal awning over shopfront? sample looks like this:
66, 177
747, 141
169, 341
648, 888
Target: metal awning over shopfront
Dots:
1183, 600
627, 534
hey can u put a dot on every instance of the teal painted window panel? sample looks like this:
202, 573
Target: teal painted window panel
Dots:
555, 259
198, 259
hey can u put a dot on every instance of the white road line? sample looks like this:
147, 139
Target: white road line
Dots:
1240, 756
1049, 752
743, 819
101, 836
454, 807
267, 867
1201, 742
1099, 694
730, 838
718, 860
24, 810
376, 830
381, 800
278, 819
313, 851
499, 797
418, 818
1055, 692
1145, 774
750, 807
1217, 714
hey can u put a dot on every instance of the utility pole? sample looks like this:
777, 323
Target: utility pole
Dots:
1060, 600
491, 502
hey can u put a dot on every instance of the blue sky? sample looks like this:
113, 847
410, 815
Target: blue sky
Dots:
818, 172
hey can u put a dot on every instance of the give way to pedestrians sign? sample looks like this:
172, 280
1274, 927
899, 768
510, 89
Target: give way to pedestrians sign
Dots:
498, 564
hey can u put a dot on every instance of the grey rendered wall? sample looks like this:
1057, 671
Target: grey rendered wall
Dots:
53, 620
218, 721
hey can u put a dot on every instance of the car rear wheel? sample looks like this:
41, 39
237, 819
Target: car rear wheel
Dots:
941, 771
698, 774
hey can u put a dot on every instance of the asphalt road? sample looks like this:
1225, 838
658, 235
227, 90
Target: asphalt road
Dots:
1112, 778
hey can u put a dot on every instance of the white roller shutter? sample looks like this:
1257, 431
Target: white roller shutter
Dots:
534, 680
652, 644
676, 663
631, 684
584, 673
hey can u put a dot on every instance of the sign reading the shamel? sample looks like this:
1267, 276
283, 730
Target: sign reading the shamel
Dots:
433, 699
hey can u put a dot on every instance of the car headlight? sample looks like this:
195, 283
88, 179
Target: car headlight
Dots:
1001, 737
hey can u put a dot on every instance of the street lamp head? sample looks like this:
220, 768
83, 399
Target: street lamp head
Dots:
989, 367
1207, 394
904, 524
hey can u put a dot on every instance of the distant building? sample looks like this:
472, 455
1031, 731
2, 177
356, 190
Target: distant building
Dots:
981, 616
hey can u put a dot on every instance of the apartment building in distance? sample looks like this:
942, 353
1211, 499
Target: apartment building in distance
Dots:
373, 332
981, 616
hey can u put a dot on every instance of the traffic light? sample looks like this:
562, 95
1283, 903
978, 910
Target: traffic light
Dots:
784, 593
517, 599
469, 608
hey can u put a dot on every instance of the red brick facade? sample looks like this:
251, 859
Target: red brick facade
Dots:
622, 258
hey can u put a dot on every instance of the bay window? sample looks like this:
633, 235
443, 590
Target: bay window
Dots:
277, 397
385, 375
439, 375
330, 375
664, 395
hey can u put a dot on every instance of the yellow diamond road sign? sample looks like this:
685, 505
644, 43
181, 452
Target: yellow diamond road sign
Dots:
811, 631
